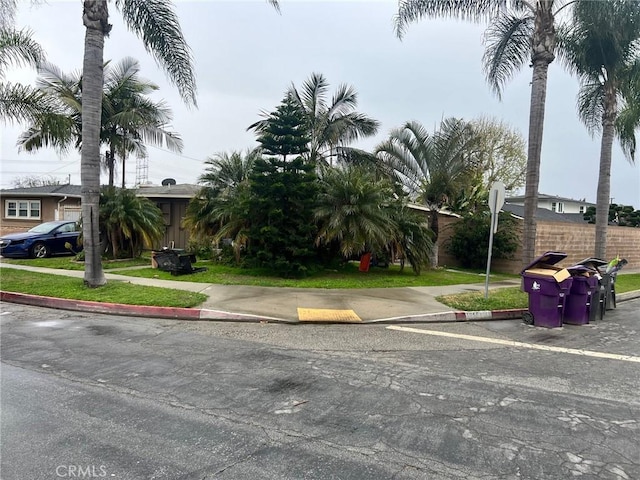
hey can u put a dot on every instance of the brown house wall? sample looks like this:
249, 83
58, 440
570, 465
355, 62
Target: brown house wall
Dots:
576, 240
48, 206
173, 211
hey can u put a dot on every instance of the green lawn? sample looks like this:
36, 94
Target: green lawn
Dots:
505, 298
69, 262
50, 285
346, 277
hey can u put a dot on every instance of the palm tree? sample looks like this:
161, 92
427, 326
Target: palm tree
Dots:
157, 25
520, 30
129, 223
220, 209
434, 169
353, 211
332, 125
129, 118
602, 49
17, 47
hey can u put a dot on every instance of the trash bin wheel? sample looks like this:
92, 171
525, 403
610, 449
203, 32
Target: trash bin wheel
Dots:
527, 318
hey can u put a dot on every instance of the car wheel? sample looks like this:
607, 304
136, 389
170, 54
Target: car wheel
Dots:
40, 250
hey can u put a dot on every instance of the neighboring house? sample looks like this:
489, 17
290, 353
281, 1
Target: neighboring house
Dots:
172, 199
544, 214
23, 208
555, 203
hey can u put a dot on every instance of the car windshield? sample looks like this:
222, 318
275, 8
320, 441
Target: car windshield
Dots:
44, 227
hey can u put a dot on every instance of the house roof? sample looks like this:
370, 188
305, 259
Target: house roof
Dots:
182, 190
43, 191
544, 214
543, 196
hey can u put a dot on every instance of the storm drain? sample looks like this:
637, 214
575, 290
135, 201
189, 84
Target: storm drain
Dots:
327, 315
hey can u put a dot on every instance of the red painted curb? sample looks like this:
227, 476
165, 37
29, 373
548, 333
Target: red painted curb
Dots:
102, 307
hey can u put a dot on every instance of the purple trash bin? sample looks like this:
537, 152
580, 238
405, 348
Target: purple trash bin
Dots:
578, 304
548, 287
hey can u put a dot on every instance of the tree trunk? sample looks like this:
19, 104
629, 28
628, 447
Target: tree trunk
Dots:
604, 177
111, 161
435, 228
123, 182
542, 54
95, 19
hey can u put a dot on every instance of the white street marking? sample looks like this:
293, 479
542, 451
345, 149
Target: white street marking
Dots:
511, 343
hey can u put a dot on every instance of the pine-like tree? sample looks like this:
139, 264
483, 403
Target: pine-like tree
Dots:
283, 193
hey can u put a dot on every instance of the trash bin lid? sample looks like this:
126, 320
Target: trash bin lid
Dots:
549, 258
592, 262
580, 269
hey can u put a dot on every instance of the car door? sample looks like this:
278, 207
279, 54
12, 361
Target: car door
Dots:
63, 234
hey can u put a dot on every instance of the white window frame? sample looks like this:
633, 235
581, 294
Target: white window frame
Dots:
17, 208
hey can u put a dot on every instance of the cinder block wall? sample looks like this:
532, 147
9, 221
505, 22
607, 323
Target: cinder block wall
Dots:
576, 240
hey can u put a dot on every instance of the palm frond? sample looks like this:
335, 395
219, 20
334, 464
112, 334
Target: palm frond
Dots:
18, 48
507, 48
410, 11
158, 26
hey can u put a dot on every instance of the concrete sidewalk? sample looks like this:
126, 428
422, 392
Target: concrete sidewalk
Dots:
290, 305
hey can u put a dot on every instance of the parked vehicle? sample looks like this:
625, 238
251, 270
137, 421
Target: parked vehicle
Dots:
44, 240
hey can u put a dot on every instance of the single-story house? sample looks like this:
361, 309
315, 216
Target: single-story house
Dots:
23, 208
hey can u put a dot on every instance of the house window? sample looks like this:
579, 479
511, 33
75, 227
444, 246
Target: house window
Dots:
27, 209
581, 208
557, 207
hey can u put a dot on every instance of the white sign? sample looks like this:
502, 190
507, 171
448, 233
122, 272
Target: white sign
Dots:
496, 197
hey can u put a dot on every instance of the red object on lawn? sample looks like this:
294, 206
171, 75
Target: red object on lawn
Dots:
365, 260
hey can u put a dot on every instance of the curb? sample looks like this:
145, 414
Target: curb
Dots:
455, 316
196, 314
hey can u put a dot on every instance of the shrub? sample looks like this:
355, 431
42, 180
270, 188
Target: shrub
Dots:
470, 240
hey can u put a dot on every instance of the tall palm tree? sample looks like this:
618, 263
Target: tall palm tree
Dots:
519, 31
17, 47
602, 47
332, 124
155, 22
129, 118
435, 170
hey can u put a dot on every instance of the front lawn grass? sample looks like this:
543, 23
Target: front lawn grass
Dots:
499, 299
60, 286
67, 262
347, 276
508, 298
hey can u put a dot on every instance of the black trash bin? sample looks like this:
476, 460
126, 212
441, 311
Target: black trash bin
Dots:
548, 286
176, 261
584, 290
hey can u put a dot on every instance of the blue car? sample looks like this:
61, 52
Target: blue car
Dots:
44, 240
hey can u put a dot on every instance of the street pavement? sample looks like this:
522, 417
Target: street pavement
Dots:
102, 396
290, 305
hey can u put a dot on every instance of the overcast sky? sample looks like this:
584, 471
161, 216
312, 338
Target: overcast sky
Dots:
246, 55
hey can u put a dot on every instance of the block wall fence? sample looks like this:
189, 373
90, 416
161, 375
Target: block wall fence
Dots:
576, 240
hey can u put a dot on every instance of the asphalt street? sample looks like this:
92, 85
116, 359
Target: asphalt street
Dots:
99, 396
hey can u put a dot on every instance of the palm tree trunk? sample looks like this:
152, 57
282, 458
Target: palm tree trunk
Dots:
111, 161
604, 177
435, 228
95, 19
543, 46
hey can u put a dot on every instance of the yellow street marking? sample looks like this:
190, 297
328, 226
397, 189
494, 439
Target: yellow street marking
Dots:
326, 315
511, 343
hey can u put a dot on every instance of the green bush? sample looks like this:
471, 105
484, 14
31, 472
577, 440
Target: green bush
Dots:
470, 240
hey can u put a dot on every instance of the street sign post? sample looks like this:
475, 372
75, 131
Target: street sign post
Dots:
496, 201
